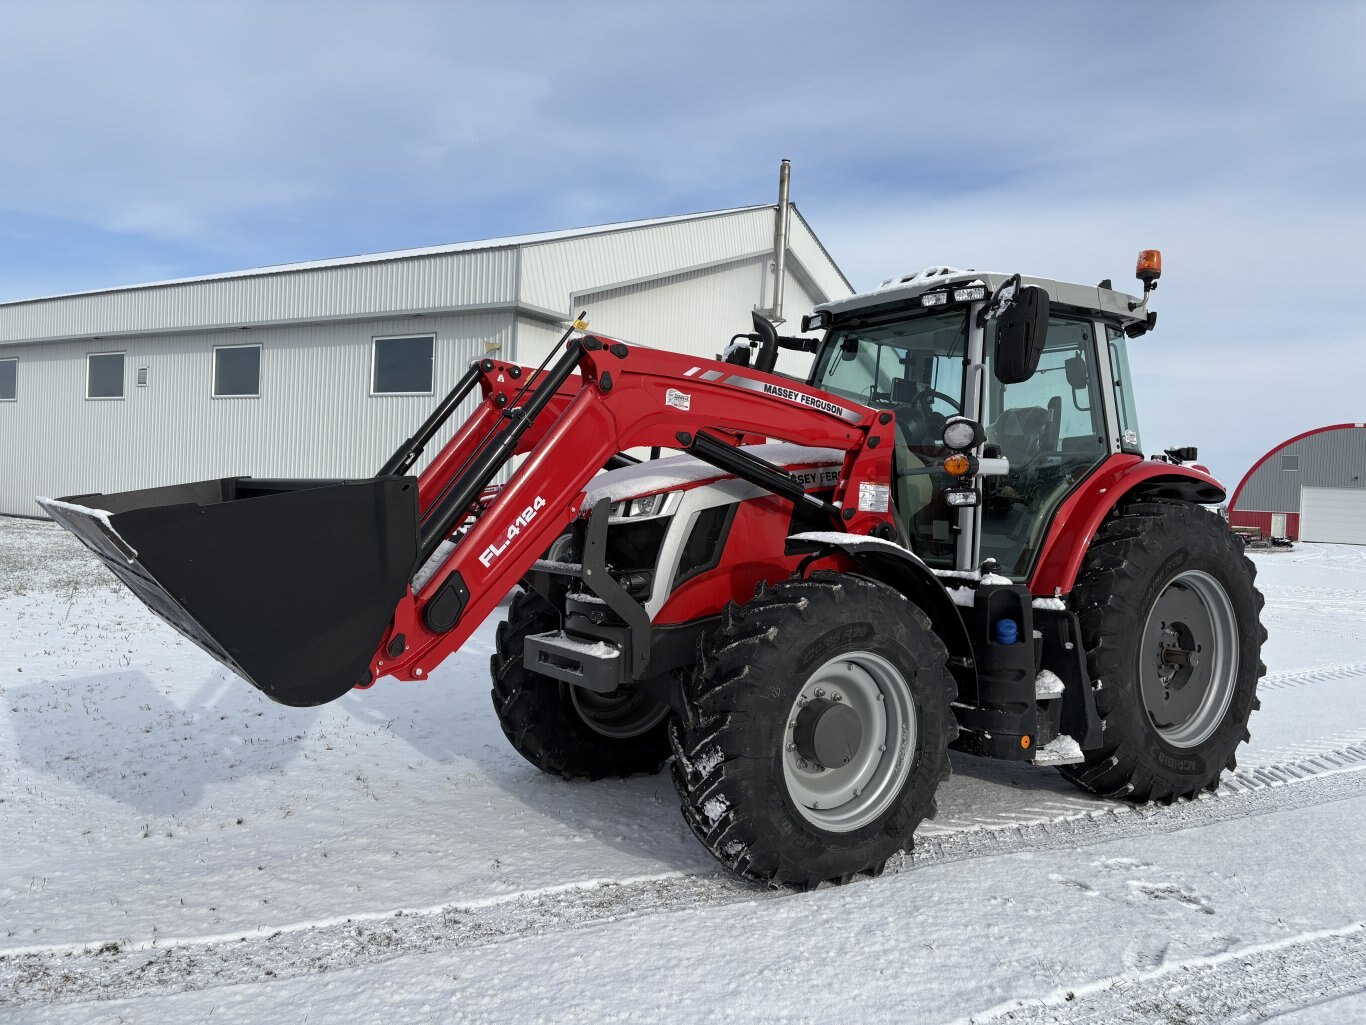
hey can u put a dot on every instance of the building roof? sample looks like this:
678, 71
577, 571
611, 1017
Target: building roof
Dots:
536, 274
1275, 449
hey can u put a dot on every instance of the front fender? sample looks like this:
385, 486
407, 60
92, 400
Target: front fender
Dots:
896, 567
1081, 513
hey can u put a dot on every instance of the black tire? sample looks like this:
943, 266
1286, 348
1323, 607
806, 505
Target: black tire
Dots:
731, 746
1147, 563
562, 729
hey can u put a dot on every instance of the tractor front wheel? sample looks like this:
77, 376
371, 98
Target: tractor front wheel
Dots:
1169, 617
814, 732
565, 730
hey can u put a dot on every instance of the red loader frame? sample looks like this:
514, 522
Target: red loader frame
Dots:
624, 397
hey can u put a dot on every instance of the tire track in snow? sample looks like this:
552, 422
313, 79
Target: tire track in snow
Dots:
113, 970
1304, 677
1249, 984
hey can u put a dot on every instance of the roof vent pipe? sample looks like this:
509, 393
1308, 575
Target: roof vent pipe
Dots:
781, 221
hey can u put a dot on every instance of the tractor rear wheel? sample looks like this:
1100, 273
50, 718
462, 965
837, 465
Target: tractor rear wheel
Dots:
815, 731
565, 730
1169, 617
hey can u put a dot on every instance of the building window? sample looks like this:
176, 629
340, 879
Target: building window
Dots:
9, 380
1290, 462
402, 366
104, 375
237, 371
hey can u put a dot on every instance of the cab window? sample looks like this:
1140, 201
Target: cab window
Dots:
1052, 429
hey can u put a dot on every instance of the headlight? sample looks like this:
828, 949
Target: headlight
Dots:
961, 434
969, 293
934, 299
649, 506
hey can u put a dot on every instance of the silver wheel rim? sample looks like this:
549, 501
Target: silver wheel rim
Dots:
620, 715
1188, 659
847, 797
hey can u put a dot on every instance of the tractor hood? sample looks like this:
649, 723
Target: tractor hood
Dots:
681, 472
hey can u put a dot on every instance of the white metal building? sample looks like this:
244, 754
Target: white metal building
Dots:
321, 369
1311, 487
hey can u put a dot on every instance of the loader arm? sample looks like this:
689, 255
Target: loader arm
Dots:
599, 398
305, 588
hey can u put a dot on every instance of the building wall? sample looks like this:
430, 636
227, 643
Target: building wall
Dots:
698, 311
315, 417
1263, 522
1328, 457
555, 272
687, 285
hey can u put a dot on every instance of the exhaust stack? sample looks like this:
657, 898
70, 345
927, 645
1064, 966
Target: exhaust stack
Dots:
781, 222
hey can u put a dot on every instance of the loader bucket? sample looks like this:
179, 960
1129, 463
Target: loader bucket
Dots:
291, 584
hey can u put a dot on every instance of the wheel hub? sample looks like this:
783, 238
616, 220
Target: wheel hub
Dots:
620, 714
828, 733
849, 741
1188, 659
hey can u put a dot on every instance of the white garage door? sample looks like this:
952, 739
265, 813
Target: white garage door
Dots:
1333, 514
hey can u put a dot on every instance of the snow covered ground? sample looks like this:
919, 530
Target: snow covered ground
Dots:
178, 849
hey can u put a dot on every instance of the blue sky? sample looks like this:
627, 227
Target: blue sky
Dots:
155, 140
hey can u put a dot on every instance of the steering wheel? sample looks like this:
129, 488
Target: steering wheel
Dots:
924, 424
926, 398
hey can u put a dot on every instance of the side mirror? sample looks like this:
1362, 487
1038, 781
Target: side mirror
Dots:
1021, 330
1078, 376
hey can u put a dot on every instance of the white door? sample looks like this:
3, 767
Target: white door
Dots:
1278, 524
1333, 514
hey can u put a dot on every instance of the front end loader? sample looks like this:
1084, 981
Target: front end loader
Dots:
946, 536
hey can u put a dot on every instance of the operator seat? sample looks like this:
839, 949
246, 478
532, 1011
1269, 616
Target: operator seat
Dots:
1020, 433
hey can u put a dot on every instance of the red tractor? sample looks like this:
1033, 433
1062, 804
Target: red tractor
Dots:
948, 536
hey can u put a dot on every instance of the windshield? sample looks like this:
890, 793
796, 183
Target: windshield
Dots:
917, 361
914, 367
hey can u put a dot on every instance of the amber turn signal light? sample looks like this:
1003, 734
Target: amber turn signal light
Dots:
1149, 265
957, 465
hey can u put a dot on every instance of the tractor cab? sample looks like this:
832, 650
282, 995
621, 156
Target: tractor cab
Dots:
1045, 392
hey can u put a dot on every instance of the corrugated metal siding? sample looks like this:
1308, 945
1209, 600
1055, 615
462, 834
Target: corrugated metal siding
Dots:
1330, 459
803, 244
553, 272
315, 416
695, 312
363, 289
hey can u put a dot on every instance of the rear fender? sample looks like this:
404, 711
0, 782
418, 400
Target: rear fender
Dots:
1120, 478
898, 568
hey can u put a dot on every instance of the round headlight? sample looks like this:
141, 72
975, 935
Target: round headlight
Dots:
960, 433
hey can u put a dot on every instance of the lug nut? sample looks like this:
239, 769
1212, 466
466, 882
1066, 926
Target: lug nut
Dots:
858, 791
881, 698
882, 747
792, 747
837, 696
820, 692
801, 763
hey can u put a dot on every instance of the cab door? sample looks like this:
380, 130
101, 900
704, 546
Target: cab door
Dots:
1052, 429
